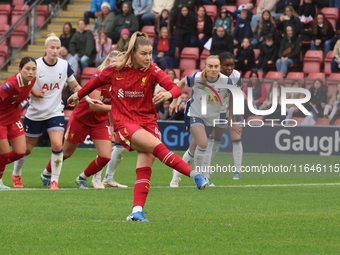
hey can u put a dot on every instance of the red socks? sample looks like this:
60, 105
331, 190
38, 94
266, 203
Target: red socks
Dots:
9, 157
142, 186
96, 165
171, 159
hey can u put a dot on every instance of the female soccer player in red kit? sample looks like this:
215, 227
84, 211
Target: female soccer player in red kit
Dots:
15, 90
133, 82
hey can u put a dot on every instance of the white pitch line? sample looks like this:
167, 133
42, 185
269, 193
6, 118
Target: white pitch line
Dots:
217, 186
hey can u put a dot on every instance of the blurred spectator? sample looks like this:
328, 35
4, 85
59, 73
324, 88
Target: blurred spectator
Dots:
259, 93
268, 54
244, 59
321, 4
103, 47
317, 103
164, 48
335, 3
306, 9
282, 4
289, 52
290, 18
124, 20
225, 19
141, 7
268, 5
218, 3
172, 75
267, 104
164, 111
266, 26
337, 33
249, 6
82, 45
164, 20
96, 9
178, 4
124, 40
105, 19
242, 28
67, 34
179, 114
335, 64
64, 54
186, 29
333, 104
119, 4
221, 42
323, 33
292, 108
204, 28
157, 7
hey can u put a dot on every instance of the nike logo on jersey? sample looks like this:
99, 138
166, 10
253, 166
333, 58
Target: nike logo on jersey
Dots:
40, 76
61, 124
15, 95
118, 79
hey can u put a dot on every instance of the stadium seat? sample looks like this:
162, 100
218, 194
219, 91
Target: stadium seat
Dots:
298, 120
312, 77
189, 71
328, 60
239, 2
332, 88
296, 66
17, 12
3, 54
334, 79
260, 73
271, 76
322, 122
18, 37
230, 8
150, 31
211, 10
67, 113
42, 14
188, 58
18, 2
337, 122
3, 29
312, 61
331, 14
203, 57
294, 76
87, 74
256, 54
5, 11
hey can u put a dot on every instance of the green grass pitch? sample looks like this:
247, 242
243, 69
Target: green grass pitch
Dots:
249, 216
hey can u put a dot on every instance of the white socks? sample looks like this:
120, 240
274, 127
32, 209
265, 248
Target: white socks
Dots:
116, 158
18, 165
137, 208
215, 147
56, 164
199, 158
237, 154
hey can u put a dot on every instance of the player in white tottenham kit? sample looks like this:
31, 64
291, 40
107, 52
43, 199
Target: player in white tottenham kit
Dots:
227, 68
46, 107
205, 91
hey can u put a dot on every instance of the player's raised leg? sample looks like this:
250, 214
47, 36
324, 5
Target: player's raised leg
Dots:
103, 151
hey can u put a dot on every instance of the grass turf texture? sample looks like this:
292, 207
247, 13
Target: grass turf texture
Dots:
222, 220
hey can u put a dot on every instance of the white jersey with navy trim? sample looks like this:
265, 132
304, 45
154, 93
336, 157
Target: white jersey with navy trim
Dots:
236, 79
52, 79
216, 99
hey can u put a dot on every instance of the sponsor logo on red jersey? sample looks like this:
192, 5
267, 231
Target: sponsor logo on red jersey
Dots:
6, 86
131, 94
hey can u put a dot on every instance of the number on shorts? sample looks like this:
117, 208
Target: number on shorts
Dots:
19, 124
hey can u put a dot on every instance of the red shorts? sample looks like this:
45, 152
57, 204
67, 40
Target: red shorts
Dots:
12, 131
77, 132
124, 133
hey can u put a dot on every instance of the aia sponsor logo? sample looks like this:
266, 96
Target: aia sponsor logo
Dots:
51, 86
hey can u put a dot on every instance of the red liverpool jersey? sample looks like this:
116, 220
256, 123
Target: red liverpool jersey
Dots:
132, 92
12, 93
83, 113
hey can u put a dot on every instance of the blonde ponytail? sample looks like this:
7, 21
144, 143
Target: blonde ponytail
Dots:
52, 38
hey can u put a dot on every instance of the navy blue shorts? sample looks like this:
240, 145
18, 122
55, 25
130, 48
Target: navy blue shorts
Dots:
192, 121
35, 128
